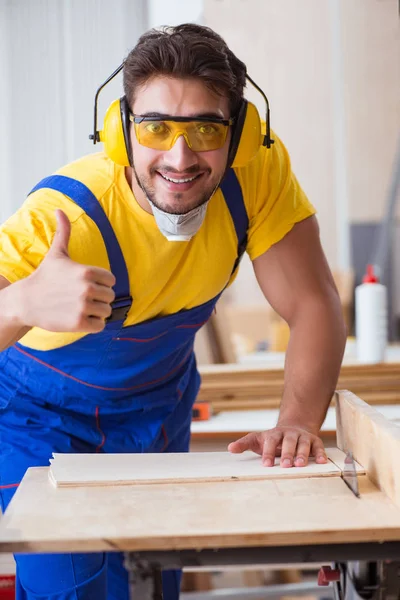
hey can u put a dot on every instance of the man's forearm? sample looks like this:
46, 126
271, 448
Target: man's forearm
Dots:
11, 327
313, 360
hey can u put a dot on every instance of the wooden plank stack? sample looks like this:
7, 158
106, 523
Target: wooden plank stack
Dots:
238, 387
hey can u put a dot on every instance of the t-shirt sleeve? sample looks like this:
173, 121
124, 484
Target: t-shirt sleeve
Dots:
26, 236
278, 202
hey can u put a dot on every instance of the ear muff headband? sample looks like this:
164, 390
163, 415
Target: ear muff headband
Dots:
247, 136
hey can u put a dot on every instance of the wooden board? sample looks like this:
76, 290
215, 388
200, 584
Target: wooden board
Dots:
126, 469
322, 510
374, 441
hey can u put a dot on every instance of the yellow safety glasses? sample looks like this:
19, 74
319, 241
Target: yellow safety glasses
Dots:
201, 134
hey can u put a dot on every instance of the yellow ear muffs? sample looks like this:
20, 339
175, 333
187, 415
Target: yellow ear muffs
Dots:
115, 133
247, 136
246, 139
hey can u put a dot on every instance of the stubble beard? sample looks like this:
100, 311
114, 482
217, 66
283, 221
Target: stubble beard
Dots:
146, 186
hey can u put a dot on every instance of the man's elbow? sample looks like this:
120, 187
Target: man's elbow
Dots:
323, 311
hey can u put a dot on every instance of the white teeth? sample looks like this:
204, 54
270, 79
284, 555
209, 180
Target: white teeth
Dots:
178, 180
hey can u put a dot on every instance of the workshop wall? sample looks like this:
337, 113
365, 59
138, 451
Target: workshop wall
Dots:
53, 57
291, 49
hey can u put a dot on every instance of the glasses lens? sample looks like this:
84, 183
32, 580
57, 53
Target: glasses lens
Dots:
154, 134
200, 136
206, 136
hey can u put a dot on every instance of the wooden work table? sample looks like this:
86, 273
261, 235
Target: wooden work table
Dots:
42, 518
209, 514
225, 521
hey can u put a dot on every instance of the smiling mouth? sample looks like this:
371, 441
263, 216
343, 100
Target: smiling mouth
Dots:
180, 180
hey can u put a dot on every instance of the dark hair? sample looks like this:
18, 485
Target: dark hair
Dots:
186, 50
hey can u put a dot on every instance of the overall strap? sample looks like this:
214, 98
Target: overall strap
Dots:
233, 195
83, 197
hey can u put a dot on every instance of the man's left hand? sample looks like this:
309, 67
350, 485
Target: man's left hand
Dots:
293, 444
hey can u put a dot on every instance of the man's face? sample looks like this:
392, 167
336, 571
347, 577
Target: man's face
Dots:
185, 98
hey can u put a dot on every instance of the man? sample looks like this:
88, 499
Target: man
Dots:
110, 267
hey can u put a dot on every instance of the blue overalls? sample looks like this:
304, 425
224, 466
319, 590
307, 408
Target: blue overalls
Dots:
126, 389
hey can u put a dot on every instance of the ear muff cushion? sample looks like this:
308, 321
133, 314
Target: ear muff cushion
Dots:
247, 136
237, 132
126, 126
115, 133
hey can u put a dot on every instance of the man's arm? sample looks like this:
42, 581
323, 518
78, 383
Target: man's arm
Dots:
295, 278
11, 328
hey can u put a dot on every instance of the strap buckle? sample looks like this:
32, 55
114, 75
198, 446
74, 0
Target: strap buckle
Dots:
120, 308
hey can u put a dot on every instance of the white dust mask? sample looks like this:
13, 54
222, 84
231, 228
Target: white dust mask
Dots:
179, 228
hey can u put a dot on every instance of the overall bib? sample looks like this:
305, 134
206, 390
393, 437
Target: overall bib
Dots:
126, 389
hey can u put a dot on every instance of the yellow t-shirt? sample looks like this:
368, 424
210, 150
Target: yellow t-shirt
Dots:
165, 277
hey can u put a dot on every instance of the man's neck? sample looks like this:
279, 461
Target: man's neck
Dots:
138, 193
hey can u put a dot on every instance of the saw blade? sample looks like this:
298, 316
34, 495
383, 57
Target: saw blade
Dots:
350, 474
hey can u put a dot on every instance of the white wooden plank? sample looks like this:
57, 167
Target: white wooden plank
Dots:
103, 469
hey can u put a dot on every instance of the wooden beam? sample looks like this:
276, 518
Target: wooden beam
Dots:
374, 441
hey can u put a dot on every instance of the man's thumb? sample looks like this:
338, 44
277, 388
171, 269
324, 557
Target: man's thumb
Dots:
62, 235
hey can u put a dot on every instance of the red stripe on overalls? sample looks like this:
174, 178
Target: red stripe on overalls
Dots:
144, 340
100, 387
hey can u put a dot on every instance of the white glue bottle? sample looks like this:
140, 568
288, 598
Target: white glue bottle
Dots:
371, 318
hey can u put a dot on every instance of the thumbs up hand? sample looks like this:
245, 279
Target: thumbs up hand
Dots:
63, 295
59, 247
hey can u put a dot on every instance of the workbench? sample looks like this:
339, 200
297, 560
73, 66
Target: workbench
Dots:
225, 522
